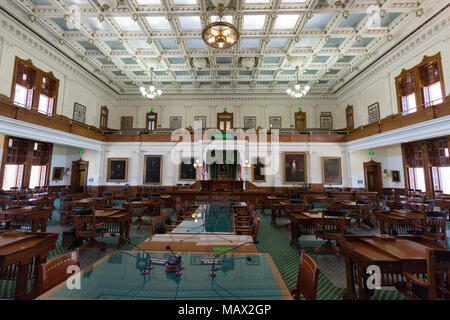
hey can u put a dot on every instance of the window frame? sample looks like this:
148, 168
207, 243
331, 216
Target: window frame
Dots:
37, 89
419, 82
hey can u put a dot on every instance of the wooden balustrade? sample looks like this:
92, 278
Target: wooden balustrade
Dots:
62, 123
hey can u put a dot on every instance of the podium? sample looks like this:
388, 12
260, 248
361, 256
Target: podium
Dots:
221, 185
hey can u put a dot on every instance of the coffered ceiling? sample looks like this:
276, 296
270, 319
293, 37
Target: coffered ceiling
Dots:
330, 44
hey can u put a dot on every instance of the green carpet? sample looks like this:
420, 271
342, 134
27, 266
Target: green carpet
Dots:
274, 242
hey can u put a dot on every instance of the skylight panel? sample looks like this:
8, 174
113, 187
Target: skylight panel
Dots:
254, 22
158, 23
184, 2
250, 43
190, 22
319, 20
228, 19
148, 2
195, 44
127, 24
286, 22
95, 24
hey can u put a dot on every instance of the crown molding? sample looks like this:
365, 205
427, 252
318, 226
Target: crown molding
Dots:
15, 33
222, 97
438, 27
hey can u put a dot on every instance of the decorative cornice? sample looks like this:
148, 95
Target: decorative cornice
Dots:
416, 41
427, 129
11, 29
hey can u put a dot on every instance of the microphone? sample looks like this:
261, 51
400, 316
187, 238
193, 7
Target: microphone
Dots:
212, 273
149, 266
174, 260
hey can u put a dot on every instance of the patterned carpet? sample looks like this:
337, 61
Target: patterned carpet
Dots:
274, 241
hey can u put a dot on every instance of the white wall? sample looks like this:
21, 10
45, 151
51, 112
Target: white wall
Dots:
390, 158
377, 83
75, 84
188, 107
62, 157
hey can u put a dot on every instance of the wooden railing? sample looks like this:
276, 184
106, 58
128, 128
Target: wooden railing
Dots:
399, 120
65, 124
53, 121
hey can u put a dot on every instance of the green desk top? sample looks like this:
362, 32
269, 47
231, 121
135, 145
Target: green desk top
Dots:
118, 276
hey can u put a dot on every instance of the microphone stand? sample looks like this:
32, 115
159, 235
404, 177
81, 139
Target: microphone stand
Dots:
213, 267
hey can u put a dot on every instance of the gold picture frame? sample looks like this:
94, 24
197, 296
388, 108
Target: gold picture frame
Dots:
327, 170
117, 170
295, 156
145, 178
254, 162
58, 173
180, 173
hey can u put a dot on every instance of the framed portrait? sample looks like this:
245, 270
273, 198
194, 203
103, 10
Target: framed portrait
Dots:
58, 173
153, 169
331, 170
79, 112
294, 168
274, 122
250, 122
117, 169
374, 112
258, 169
187, 170
395, 176
175, 122
326, 121
199, 122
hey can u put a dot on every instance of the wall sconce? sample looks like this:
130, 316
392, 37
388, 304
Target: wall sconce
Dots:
385, 173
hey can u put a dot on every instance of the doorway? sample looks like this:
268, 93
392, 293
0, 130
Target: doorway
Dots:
372, 175
78, 182
300, 121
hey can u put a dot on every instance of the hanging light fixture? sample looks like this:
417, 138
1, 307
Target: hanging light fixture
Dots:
152, 92
220, 34
297, 91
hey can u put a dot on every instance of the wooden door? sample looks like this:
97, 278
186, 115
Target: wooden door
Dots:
372, 175
349, 118
151, 121
300, 121
79, 176
104, 118
225, 121
126, 123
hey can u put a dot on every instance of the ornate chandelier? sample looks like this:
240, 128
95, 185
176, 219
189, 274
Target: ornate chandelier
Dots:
151, 92
220, 34
297, 91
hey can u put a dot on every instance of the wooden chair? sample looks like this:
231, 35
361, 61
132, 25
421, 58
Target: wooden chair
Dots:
434, 226
362, 214
438, 285
167, 221
331, 226
251, 230
157, 225
54, 272
86, 228
307, 279
66, 207
5, 222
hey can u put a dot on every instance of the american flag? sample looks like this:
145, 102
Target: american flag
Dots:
204, 171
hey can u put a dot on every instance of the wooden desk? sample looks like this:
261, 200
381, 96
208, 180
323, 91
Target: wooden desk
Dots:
116, 221
29, 217
18, 251
402, 219
276, 207
201, 243
406, 254
86, 202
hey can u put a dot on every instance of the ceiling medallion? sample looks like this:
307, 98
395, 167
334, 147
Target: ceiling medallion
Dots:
108, 4
297, 91
151, 92
220, 34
